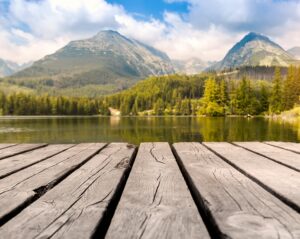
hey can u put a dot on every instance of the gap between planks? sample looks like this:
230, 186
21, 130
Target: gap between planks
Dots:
288, 218
21, 161
278, 155
3, 146
156, 202
24, 187
278, 179
293, 147
18, 149
73, 208
237, 206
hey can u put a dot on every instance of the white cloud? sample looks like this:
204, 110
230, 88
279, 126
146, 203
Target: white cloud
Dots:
242, 15
50, 18
178, 38
50, 24
27, 47
145, 31
192, 42
279, 19
31, 29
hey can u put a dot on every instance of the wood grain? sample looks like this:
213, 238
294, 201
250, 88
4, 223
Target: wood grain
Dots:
18, 149
21, 161
156, 202
19, 188
284, 157
238, 206
3, 146
75, 206
278, 179
294, 147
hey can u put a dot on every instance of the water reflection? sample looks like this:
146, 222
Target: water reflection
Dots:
143, 129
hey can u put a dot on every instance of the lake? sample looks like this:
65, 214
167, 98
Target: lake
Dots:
142, 129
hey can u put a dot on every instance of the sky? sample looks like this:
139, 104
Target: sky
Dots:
184, 29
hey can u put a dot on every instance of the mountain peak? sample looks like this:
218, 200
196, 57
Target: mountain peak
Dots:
253, 36
108, 60
108, 32
108, 36
255, 50
249, 39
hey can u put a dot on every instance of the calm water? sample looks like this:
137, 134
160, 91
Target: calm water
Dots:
142, 129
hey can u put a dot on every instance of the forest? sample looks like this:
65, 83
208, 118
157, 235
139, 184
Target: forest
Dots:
210, 94
30, 104
204, 94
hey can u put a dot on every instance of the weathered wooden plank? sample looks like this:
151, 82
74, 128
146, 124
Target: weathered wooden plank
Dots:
156, 202
18, 149
278, 179
74, 207
13, 164
3, 146
294, 147
21, 187
239, 207
284, 157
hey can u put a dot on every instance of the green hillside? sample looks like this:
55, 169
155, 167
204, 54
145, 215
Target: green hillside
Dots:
203, 94
210, 94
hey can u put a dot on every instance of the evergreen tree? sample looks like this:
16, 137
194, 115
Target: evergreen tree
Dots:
276, 93
185, 107
290, 91
135, 107
224, 98
263, 98
212, 99
158, 107
211, 91
125, 106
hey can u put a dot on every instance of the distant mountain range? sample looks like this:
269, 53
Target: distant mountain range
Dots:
255, 50
108, 60
190, 66
8, 68
295, 51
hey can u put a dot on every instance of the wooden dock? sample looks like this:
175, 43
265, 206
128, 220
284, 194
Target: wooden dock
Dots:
156, 190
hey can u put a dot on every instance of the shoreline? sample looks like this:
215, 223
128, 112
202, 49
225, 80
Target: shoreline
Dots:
286, 118
127, 116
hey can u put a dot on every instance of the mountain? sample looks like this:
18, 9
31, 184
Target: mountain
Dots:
295, 52
5, 68
190, 66
8, 68
107, 61
255, 50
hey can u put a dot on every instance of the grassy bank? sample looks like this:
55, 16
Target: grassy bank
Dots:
291, 115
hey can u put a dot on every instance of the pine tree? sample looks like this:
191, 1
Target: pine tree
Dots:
233, 97
2, 103
135, 107
290, 94
212, 99
212, 91
263, 98
125, 106
224, 98
158, 107
185, 107
276, 94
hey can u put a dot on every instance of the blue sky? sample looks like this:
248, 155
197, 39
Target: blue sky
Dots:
154, 8
205, 29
